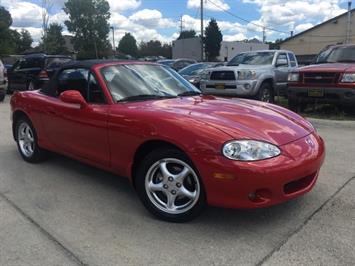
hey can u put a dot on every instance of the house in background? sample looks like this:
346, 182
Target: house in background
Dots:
307, 44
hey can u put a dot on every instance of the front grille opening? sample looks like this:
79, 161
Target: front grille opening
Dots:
299, 184
222, 75
320, 78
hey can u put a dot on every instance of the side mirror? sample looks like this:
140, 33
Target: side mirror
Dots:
74, 97
281, 62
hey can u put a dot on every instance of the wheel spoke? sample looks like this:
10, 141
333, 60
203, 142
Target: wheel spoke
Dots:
187, 193
170, 201
164, 170
181, 176
155, 187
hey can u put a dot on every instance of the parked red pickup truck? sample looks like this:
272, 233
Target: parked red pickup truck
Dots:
330, 80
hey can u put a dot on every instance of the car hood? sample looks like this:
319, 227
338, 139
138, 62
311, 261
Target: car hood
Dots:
334, 67
240, 119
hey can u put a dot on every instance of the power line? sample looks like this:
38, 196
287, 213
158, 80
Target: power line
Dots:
243, 19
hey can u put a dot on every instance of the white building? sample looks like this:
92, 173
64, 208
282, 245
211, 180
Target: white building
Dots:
231, 49
191, 48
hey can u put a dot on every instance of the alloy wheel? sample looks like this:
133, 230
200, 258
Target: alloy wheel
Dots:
172, 186
26, 139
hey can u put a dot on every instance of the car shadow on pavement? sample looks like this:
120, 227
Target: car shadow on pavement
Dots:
212, 216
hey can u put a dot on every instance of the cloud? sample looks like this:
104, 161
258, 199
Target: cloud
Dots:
152, 18
302, 27
281, 13
121, 5
215, 5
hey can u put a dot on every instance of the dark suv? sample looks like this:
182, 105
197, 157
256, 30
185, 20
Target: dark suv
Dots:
32, 71
330, 80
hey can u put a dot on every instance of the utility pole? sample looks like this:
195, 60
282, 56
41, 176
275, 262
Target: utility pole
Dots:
202, 41
291, 33
113, 40
264, 35
348, 30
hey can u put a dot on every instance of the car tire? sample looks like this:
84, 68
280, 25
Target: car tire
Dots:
169, 186
27, 142
266, 93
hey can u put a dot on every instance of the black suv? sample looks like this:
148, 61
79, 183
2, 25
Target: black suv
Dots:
32, 71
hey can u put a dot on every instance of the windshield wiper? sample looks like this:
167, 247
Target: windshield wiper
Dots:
189, 93
145, 97
346, 61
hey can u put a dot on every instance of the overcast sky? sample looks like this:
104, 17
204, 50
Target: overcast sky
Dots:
159, 19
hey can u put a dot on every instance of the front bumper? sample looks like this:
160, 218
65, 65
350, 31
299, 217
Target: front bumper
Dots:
231, 87
233, 184
331, 95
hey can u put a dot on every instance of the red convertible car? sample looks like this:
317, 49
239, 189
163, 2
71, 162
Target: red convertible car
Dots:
180, 149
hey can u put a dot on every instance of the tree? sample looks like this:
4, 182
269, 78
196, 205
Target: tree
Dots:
186, 34
25, 41
88, 20
46, 6
275, 45
128, 45
213, 39
6, 44
53, 40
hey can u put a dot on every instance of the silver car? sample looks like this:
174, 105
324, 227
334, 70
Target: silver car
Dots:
3, 81
259, 74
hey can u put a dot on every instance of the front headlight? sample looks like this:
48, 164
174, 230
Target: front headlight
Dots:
194, 79
348, 78
293, 77
205, 75
246, 75
250, 150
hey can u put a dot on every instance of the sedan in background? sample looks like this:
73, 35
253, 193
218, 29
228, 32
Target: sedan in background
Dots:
180, 149
193, 72
177, 64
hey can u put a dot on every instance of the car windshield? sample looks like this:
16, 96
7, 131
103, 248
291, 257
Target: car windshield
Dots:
337, 55
258, 58
193, 69
135, 82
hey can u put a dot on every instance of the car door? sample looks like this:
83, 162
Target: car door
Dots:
16, 75
282, 68
81, 132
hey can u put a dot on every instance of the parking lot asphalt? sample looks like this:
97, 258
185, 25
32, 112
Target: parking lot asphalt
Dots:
62, 212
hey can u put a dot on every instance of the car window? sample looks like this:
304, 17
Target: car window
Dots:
95, 94
282, 57
56, 62
192, 69
252, 58
293, 61
126, 81
73, 79
33, 62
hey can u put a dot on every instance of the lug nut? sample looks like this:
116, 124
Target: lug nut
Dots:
165, 186
170, 178
173, 192
178, 184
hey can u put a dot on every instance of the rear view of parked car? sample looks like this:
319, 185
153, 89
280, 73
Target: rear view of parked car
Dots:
330, 80
260, 75
3, 81
33, 71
